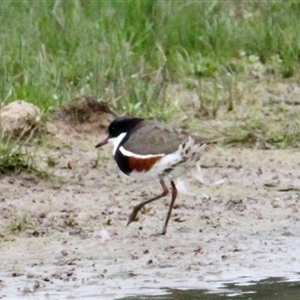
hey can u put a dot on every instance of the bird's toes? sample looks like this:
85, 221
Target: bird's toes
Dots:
158, 233
132, 216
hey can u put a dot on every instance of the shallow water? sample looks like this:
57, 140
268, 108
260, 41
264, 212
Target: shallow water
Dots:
267, 289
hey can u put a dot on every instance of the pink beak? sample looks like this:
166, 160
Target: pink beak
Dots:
105, 141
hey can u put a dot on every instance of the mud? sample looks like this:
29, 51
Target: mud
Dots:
67, 238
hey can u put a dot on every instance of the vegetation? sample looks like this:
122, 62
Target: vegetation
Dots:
131, 53
20, 224
13, 159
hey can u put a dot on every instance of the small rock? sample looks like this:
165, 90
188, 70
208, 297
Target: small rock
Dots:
19, 117
11, 180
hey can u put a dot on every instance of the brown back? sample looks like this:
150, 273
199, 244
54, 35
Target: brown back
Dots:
152, 137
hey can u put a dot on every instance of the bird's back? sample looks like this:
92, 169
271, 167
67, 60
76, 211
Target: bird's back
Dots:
152, 137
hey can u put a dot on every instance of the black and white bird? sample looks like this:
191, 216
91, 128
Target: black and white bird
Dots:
147, 149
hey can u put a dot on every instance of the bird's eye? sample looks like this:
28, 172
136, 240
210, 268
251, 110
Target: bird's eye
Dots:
113, 131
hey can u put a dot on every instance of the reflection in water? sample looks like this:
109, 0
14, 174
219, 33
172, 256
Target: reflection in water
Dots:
268, 289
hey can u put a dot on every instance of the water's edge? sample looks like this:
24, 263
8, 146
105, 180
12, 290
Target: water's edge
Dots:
273, 288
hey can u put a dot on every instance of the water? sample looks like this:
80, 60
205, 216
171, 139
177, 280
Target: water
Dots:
267, 289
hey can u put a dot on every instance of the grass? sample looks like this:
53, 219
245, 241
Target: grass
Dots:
14, 159
130, 52
53, 50
20, 224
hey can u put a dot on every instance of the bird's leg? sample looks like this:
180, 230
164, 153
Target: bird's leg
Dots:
138, 207
174, 195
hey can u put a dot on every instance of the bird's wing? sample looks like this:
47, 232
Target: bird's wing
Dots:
152, 137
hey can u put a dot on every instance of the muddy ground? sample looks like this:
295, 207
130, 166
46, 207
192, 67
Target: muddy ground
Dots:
67, 238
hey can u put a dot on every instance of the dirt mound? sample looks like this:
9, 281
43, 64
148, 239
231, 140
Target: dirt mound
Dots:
83, 109
19, 118
84, 114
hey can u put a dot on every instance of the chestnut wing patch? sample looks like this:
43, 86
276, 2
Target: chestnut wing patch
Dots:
142, 164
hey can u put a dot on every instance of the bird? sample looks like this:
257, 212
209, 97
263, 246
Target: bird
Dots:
147, 149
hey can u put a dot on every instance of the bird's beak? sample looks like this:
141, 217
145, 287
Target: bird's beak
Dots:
104, 142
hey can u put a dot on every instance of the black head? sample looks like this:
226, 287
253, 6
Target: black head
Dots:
118, 126
122, 124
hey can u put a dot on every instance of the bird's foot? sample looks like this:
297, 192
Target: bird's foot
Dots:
158, 234
163, 232
133, 214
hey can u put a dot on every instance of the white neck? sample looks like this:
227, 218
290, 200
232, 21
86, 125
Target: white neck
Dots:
116, 141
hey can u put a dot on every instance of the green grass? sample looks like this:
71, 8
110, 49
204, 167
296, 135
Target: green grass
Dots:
129, 52
15, 159
52, 50
12, 158
20, 224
